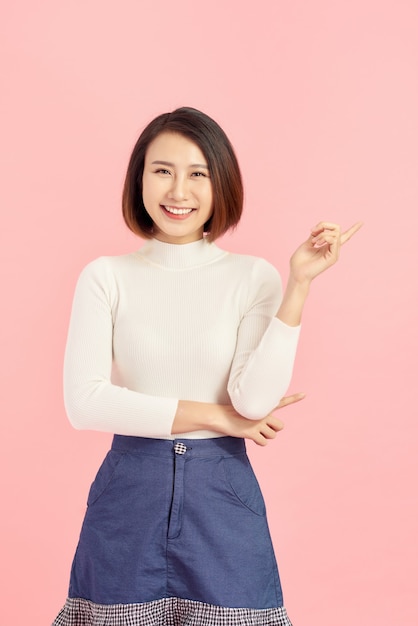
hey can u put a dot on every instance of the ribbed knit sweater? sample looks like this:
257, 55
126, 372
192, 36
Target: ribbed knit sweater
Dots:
174, 322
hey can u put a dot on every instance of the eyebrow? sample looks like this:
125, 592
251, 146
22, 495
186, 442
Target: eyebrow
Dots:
172, 164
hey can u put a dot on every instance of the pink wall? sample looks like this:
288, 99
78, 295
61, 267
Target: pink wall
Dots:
320, 99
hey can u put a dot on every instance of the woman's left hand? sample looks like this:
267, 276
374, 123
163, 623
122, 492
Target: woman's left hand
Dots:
320, 251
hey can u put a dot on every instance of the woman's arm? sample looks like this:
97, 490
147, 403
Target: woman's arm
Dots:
266, 345
265, 349
92, 400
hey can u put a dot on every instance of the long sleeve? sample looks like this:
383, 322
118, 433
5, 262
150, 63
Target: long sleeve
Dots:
92, 402
265, 350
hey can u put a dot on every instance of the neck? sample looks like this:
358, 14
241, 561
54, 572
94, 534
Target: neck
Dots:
175, 256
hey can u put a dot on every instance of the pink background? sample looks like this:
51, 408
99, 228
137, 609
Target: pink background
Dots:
320, 100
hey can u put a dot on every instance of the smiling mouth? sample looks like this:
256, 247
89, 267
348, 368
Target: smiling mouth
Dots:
177, 211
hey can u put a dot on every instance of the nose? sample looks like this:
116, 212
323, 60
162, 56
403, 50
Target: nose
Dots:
179, 189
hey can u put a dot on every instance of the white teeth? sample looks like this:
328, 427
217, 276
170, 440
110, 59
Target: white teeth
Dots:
177, 211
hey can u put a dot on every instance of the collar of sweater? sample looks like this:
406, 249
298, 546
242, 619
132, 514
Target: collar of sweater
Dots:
180, 256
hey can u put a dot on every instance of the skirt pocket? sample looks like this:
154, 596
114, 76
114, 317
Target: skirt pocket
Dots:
240, 478
104, 476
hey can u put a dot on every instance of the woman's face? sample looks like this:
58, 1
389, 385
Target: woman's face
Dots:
176, 188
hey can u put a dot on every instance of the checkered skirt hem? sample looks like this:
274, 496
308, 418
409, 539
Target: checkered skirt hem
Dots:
166, 612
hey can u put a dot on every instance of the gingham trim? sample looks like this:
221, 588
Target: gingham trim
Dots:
166, 612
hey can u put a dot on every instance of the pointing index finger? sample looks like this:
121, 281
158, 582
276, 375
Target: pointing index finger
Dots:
350, 232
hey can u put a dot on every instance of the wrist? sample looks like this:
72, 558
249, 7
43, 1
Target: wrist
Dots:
192, 416
291, 308
300, 284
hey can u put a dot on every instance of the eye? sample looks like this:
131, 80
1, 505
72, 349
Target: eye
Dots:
162, 171
199, 174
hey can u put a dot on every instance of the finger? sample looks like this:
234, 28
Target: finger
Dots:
260, 440
351, 231
319, 228
268, 433
274, 423
296, 397
325, 238
267, 430
335, 232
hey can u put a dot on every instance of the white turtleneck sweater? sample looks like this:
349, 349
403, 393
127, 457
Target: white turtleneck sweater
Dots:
174, 322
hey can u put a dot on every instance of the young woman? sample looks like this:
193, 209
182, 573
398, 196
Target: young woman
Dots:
183, 351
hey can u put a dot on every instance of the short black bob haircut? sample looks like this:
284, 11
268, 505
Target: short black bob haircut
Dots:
227, 188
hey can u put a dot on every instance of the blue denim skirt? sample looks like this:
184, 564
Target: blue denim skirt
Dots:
175, 533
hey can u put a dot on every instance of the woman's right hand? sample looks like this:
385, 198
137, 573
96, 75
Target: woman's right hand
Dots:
232, 424
224, 419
